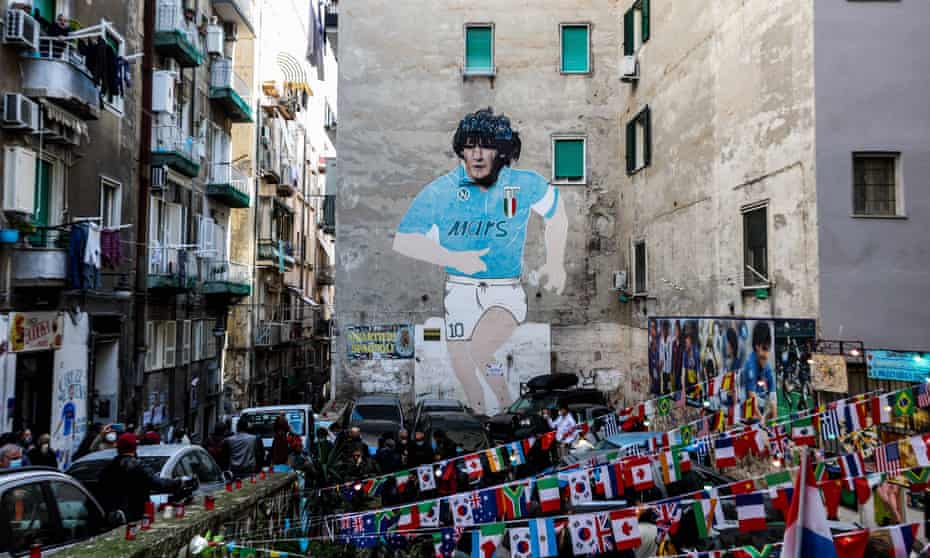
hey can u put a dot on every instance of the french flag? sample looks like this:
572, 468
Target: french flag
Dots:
723, 453
807, 534
902, 539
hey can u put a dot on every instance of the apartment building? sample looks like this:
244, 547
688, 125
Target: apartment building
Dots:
69, 82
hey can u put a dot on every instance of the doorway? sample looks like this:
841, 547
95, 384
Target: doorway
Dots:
33, 404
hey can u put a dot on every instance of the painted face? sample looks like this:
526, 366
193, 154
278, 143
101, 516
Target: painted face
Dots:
479, 161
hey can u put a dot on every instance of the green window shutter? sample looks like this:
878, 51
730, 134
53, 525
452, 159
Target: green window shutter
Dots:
575, 49
45, 9
631, 146
629, 39
644, 6
646, 116
479, 53
569, 159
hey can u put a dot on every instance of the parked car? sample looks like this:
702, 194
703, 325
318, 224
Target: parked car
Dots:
333, 412
428, 406
41, 505
463, 429
550, 391
170, 461
376, 415
261, 421
616, 443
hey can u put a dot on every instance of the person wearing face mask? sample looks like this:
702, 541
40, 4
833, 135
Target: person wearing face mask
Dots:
106, 439
25, 440
422, 451
42, 453
11, 457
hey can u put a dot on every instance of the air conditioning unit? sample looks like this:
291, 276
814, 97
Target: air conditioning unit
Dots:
620, 280
629, 68
214, 39
20, 112
163, 82
56, 132
20, 29
230, 31
19, 179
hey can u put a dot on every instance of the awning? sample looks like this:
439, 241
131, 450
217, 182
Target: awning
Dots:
63, 117
327, 246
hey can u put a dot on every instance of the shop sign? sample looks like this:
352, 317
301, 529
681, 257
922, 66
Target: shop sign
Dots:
379, 342
905, 366
35, 331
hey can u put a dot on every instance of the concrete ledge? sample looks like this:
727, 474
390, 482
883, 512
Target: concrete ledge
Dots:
170, 537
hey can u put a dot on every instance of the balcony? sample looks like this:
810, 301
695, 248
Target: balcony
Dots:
229, 186
279, 253
288, 183
326, 275
43, 264
58, 73
236, 11
229, 90
175, 36
173, 149
226, 278
172, 270
268, 334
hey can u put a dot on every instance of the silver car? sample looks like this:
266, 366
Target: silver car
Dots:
170, 461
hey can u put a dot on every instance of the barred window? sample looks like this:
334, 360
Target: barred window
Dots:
875, 184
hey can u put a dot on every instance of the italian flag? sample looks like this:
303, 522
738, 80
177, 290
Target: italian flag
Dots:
802, 432
549, 498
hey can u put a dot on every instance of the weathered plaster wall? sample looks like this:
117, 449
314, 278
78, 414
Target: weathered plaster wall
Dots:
730, 87
401, 97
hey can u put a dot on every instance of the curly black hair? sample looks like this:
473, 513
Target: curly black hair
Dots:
486, 129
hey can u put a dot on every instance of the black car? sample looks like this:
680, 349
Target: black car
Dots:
551, 391
465, 431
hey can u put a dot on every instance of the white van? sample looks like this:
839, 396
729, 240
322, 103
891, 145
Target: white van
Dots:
261, 421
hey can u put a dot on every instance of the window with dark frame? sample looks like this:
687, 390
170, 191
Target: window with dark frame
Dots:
755, 246
635, 27
639, 267
639, 141
875, 184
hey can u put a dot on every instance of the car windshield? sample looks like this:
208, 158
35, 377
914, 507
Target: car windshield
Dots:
262, 422
375, 412
532, 404
89, 471
469, 439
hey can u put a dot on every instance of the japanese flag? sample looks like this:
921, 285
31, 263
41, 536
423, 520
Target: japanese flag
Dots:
582, 530
626, 529
426, 477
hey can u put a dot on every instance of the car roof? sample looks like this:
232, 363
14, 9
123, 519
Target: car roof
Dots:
443, 403
156, 450
378, 400
625, 439
449, 417
276, 408
22, 473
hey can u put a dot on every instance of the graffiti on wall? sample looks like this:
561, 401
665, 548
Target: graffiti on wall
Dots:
69, 389
473, 222
379, 342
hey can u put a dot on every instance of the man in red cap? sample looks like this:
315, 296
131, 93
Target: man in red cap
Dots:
126, 482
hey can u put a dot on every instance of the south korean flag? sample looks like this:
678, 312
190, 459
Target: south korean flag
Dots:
426, 477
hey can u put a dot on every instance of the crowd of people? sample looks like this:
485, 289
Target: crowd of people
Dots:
20, 449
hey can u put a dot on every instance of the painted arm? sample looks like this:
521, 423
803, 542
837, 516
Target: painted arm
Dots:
422, 247
556, 238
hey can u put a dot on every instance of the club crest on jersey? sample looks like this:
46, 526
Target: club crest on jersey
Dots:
464, 194
510, 201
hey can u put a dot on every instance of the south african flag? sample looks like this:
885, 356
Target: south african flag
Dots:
918, 478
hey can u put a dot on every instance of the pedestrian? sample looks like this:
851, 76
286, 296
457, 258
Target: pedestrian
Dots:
11, 457
354, 442
215, 447
387, 457
403, 445
421, 453
443, 446
358, 467
246, 453
106, 439
279, 444
127, 483
566, 431
42, 453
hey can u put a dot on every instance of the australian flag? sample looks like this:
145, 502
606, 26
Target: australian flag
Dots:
445, 542
484, 505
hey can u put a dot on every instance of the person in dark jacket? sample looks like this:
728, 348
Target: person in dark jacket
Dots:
322, 448
421, 453
443, 446
387, 457
216, 448
279, 445
127, 483
246, 453
43, 454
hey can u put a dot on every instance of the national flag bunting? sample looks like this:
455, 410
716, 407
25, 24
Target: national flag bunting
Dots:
802, 432
486, 541
919, 479
724, 455
829, 425
603, 533
851, 466
429, 513
888, 459
473, 467
807, 532
402, 478
638, 473
549, 498
881, 409
495, 460
543, 538
583, 534
579, 486
511, 501
608, 481
778, 439
521, 545
904, 405
750, 511
703, 511
780, 488
902, 539
461, 506
922, 393
625, 525
920, 445
852, 544
854, 416
427, 477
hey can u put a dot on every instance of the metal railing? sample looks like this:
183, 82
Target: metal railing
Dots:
225, 270
170, 17
222, 75
226, 173
268, 334
169, 260
56, 48
170, 138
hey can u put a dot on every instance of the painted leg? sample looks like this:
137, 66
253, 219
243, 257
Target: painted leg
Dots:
493, 330
465, 371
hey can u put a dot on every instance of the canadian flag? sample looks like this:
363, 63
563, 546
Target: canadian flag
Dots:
638, 472
626, 529
473, 467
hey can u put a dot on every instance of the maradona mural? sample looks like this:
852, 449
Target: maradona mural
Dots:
473, 222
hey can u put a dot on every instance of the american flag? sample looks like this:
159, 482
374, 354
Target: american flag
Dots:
830, 425
778, 439
888, 459
923, 395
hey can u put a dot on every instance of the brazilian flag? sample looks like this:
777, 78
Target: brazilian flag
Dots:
904, 403
686, 433
664, 406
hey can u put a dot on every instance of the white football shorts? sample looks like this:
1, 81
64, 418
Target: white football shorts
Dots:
468, 299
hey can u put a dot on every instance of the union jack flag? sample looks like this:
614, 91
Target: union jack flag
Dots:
778, 439
888, 459
604, 532
669, 516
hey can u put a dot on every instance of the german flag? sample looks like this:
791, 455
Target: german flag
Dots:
432, 334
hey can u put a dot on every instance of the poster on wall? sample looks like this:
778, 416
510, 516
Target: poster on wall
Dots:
35, 331
765, 356
828, 373
69, 390
379, 342
474, 223
905, 366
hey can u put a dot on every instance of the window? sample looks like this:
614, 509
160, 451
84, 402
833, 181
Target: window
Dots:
27, 518
568, 160
186, 342
639, 141
197, 340
111, 199
635, 27
155, 341
876, 191
755, 245
170, 344
479, 49
576, 49
80, 518
639, 267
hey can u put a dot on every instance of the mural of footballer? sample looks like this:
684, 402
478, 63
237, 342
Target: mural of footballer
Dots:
473, 222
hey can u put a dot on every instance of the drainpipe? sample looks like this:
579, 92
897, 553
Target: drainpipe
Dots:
142, 216
259, 122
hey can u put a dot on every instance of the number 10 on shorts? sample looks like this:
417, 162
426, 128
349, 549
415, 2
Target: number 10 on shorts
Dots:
455, 330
